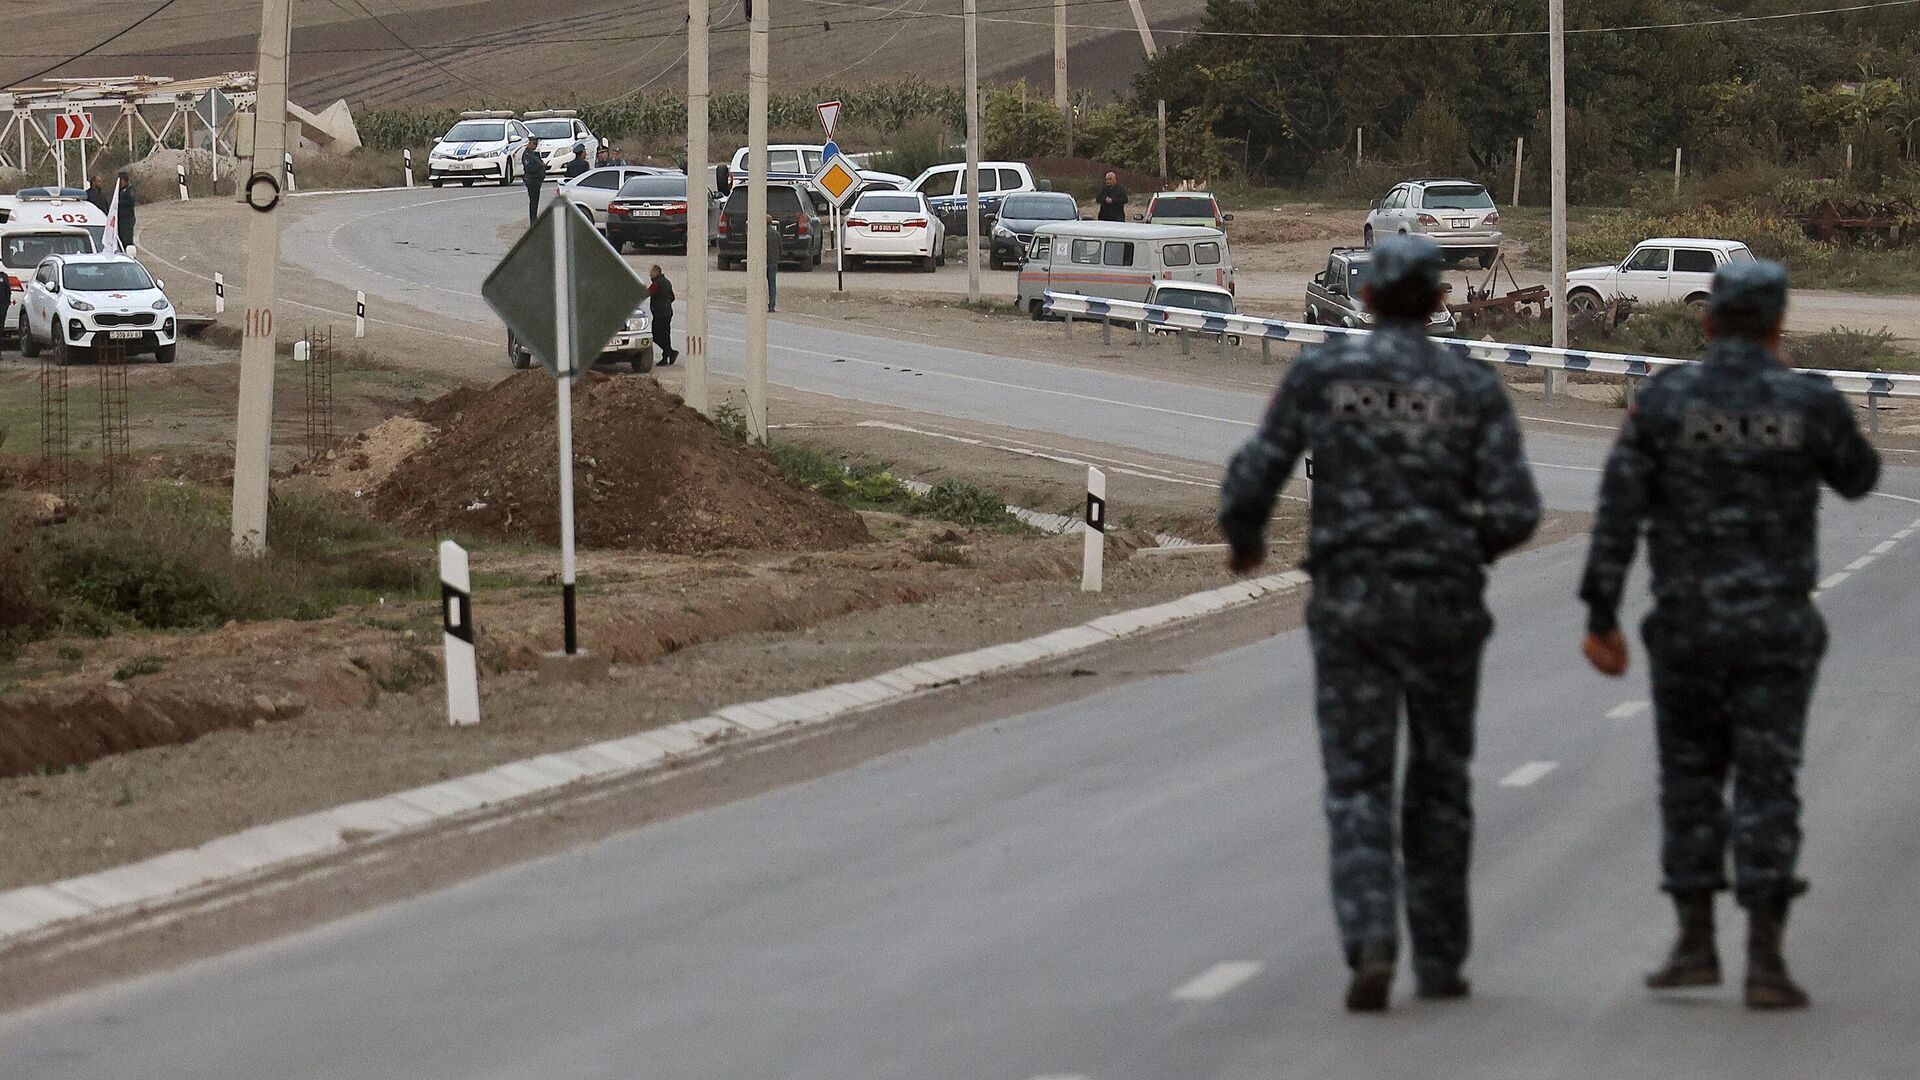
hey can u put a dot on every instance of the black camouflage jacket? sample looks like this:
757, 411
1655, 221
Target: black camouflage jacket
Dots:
1722, 462
1417, 460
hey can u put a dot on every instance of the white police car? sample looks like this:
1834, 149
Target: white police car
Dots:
75, 303
481, 146
555, 133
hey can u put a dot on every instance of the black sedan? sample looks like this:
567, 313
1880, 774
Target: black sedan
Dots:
651, 211
1022, 213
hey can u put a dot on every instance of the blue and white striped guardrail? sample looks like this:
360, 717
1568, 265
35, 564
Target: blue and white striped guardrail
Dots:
1871, 384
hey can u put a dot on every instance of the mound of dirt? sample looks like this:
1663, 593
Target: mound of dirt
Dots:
649, 473
368, 459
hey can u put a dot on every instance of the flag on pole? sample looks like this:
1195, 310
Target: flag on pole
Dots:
110, 244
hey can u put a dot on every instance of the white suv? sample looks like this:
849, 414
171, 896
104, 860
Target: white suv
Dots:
1454, 213
1667, 269
78, 302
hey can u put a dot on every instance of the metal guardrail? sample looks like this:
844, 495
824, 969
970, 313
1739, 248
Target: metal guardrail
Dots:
1871, 384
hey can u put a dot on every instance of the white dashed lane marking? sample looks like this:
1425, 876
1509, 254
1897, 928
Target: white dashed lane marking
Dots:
1859, 563
1060, 1076
1217, 981
1831, 580
1627, 710
1529, 774
1884, 546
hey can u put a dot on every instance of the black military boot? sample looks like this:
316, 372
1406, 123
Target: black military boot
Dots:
1768, 984
1372, 981
1439, 982
1694, 961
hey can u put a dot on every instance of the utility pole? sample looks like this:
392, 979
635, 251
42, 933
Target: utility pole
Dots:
1060, 101
1557, 150
1146, 34
253, 430
694, 391
1160, 114
973, 156
1519, 160
756, 225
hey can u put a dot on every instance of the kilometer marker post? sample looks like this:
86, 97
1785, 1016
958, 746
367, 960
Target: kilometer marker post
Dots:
456, 617
1093, 562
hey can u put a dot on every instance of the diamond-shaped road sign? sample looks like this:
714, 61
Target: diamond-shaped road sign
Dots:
563, 318
837, 180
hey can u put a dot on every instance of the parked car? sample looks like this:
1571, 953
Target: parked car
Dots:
945, 187
1454, 213
1119, 260
1658, 271
632, 345
24, 246
1193, 296
894, 225
1184, 208
883, 181
802, 239
1020, 214
1333, 296
592, 190
651, 211
555, 133
480, 146
75, 303
59, 206
787, 163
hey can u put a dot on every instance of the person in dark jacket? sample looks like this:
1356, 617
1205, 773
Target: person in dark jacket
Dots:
1722, 463
6, 298
773, 259
1111, 199
535, 174
660, 303
578, 164
96, 196
1420, 483
126, 211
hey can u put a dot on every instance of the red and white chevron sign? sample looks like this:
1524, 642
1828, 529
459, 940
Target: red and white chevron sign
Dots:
72, 126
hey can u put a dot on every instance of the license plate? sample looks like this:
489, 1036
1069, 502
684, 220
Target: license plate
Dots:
1462, 223
881, 226
126, 335
646, 213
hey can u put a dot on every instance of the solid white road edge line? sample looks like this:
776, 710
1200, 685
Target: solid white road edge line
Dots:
1217, 981
33, 911
1527, 775
1627, 710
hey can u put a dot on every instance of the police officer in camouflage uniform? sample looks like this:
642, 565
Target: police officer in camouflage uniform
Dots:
1419, 484
1722, 462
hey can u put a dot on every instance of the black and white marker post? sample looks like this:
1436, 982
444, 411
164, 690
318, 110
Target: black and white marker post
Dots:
289, 162
564, 373
359, 314
1093, 563
181, 172
456, 617
406, 163
219, 293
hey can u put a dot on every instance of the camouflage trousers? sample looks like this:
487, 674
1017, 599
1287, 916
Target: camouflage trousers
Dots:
1378, 645
1731, 685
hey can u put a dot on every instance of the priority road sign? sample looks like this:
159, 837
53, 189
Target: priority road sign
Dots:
72, 126
837, 180
829, 115
566, 317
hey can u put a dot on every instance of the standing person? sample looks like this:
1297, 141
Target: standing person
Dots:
6, 300
577, 165
1420, 483
1111, 198
773, 258
534, 170
126, 212
1723, 462
96, 196
660, 302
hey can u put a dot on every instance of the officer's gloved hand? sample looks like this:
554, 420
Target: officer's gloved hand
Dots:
1606, 651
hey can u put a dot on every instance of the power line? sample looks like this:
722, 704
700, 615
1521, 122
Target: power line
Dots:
103, 43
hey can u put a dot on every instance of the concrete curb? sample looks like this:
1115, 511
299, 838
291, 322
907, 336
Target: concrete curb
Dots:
36, 910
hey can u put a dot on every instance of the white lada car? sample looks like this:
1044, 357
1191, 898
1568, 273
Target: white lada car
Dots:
77, 303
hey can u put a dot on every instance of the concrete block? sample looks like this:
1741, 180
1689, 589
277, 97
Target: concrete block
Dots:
754, 717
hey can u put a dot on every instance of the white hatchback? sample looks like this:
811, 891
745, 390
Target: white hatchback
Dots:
895, 225
83, 302
1664, 270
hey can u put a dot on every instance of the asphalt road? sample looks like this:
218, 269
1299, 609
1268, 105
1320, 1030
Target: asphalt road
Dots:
1128, 886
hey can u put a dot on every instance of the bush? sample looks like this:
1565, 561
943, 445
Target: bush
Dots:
964, 504
918, 146
1663, 330
1016, 126
1848, 349
1119, 135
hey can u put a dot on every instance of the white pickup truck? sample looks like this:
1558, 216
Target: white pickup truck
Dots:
1663, 270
